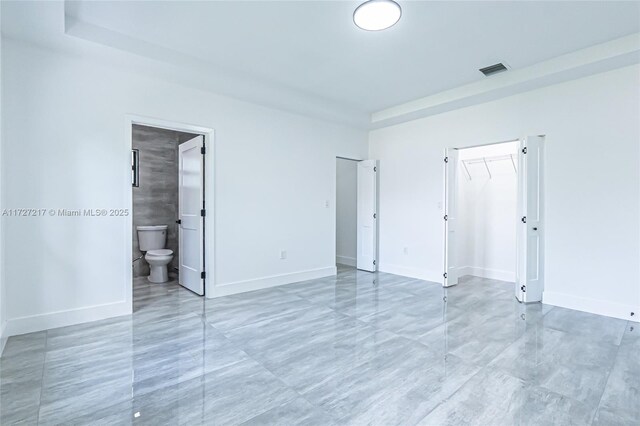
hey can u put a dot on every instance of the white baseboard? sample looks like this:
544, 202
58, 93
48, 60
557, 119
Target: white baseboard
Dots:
407, 271
599, 307
23, 325
492, 274
3, 337
227, 289
346, 260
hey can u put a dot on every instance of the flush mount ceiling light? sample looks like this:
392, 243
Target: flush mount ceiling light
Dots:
376, 15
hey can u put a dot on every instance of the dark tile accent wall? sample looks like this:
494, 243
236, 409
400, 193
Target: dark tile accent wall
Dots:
155, 201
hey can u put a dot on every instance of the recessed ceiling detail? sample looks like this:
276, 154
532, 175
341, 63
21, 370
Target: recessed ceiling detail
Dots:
308, 57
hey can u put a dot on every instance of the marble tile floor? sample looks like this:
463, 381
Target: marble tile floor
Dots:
354, 349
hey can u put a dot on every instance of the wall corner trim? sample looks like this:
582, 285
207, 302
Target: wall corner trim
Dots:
227, 289
31, 324
592, 306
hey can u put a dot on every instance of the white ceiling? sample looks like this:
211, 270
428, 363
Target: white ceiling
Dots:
312, 48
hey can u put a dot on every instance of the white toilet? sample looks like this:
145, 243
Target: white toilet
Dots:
152, 239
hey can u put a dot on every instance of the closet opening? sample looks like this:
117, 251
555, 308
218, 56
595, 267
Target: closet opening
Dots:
493, 217
487, 206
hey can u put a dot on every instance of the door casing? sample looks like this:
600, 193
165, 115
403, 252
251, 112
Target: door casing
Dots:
209, 140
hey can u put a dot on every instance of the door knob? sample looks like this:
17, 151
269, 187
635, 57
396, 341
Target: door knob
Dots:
535, 229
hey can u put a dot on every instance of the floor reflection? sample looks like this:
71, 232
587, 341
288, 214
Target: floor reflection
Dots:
357, 348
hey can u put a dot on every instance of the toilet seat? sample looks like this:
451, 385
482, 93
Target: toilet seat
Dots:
160, 252
158, 261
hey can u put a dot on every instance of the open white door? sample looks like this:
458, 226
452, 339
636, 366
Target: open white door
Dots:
450, 217
191, 214
367, 238
529, 270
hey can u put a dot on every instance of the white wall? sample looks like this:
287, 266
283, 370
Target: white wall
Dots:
346, 205
65, 146
487, 213
592, 186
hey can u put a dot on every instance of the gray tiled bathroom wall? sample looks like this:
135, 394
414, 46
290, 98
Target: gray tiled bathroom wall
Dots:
155, 201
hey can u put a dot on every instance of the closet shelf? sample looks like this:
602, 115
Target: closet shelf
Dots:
487, 160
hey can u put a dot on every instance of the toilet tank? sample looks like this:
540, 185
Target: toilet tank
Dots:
152, 237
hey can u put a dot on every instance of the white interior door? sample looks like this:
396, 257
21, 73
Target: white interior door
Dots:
367, 238
191, 214
450, 276
529, 270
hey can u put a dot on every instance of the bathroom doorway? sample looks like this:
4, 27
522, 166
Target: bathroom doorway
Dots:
169, 180
346, 212
493, 215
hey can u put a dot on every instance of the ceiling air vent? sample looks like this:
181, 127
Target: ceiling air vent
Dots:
493, 69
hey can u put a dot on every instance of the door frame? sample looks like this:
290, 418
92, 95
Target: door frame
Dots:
449, 276
518, 197
209, 194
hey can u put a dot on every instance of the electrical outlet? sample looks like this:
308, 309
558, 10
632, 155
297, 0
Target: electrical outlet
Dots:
283, 254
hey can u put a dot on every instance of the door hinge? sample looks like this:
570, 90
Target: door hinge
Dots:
179, 222
203, 212
524, 219
375, 169
444, 275
524, 150
203, 275
446, 217
374, 262
375, 216
203, 150
523, 288
446, 159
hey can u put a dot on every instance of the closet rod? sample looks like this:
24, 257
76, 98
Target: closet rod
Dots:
489, 159
487, 166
